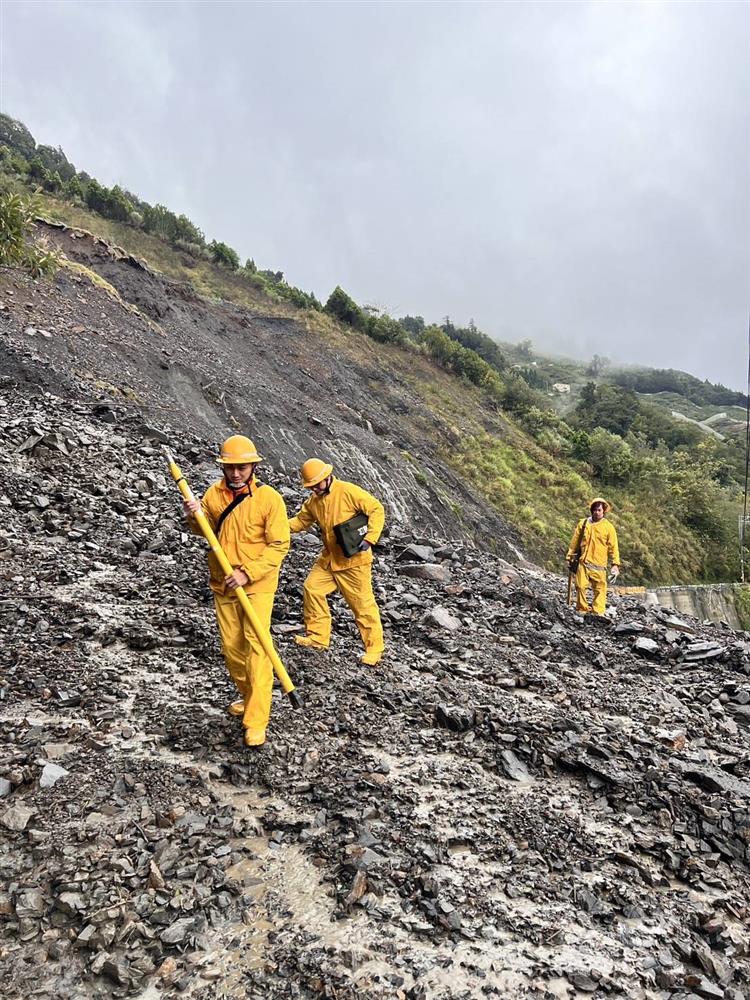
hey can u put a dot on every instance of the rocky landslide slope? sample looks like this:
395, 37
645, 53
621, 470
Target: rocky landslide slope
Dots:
515, 803
297, 387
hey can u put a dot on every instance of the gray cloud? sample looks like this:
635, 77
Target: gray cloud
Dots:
574, 173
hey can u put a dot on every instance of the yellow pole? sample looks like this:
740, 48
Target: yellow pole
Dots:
263, 636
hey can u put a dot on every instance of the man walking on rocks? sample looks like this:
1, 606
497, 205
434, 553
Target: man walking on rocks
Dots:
251, 524
594, 542
332, 503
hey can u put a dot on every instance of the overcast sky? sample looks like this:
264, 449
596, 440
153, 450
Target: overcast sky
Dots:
577, 174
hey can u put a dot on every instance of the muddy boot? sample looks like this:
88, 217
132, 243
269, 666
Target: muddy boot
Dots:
370, 659
255, 737
308, 642
236, 708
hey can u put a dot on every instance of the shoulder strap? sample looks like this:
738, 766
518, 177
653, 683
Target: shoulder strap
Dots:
580, 537
228, 510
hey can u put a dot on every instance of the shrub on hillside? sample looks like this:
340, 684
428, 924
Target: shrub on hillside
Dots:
607, 406
344, 308
17, 248
109, 202
611, 458
13, 161
56, 162
224, 255
386, 330
518, 396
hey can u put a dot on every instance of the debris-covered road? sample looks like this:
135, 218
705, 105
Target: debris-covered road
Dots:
515, 803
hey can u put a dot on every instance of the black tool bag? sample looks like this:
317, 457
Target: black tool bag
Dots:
349, 535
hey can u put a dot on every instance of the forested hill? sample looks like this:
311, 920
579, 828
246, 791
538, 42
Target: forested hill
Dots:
490, 433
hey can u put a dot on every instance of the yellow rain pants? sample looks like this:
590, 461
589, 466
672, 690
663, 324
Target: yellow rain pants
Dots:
355, 586
248, 665
596, 580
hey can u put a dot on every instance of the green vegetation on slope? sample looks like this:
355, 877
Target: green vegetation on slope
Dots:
17, 247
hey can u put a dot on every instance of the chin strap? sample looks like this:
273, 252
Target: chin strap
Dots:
236, 489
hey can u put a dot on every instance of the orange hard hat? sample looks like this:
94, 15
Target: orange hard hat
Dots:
238, 450
314, 471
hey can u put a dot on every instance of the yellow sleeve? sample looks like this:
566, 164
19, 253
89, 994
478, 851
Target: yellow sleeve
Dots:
613, 547
303, 519
375, 512
575, 541
277, 540
210, 513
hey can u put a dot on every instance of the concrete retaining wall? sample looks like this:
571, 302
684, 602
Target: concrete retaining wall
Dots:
716, 602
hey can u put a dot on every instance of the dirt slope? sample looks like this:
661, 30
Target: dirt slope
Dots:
215, 367
514, 804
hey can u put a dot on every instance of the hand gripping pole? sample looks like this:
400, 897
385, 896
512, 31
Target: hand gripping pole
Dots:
264, 637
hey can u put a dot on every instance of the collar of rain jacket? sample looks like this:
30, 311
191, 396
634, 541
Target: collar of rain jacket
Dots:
250, 486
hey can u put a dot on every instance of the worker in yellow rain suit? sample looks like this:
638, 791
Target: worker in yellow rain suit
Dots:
332, 503
250, 521
594, 542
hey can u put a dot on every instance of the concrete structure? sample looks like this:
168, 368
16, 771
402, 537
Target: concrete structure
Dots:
716, 602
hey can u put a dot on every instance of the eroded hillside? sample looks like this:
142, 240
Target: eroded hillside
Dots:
127, 334
512, 805
515, 803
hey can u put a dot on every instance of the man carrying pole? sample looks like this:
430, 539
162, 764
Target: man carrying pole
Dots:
251, 524
594, 542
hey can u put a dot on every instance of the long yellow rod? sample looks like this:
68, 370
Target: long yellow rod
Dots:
264, 637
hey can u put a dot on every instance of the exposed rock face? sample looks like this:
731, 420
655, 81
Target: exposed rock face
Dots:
516, 802
215, 367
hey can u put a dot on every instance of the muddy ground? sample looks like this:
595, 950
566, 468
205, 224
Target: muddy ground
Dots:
514, 803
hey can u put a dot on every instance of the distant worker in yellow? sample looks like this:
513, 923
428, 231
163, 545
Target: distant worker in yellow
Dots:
334, 506
250, 521
593, 545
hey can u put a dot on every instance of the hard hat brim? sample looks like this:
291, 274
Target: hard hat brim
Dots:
323, 474
241, 460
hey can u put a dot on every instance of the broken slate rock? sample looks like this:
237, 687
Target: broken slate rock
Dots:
703, 651
421, 553
628, 628
66, 698
442, 618
51, 774
512, 766
454, 717
436, 572
16, 817
646, 647
178, 931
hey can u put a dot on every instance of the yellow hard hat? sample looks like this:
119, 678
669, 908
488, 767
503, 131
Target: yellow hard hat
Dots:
314, 471
238, 450
599, 500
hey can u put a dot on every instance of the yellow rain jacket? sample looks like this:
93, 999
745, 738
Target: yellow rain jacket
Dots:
599, 543
341, 503
254, 536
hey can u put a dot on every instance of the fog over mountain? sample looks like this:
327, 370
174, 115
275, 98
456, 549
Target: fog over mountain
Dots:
577, 174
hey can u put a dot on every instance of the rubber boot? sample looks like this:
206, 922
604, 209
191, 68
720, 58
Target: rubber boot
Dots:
236, 708
255, 737
370, 659
308, 642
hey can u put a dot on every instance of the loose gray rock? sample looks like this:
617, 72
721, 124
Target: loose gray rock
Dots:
442, 618
51, 774
16, 817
